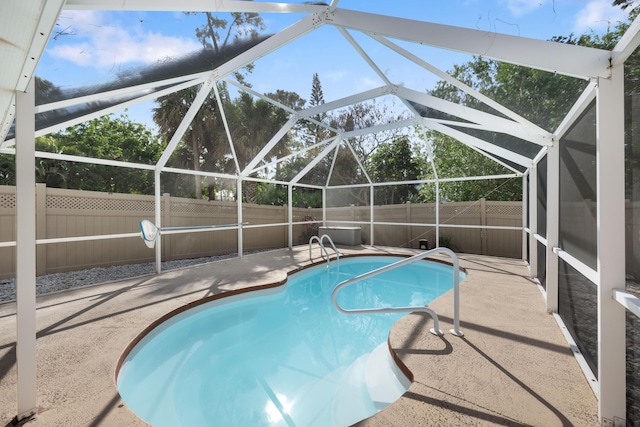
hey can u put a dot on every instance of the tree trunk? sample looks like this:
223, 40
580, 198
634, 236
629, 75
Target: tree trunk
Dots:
196, 163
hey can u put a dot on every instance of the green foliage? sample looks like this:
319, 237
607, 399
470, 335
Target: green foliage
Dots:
277, 195
391, 162
107, 137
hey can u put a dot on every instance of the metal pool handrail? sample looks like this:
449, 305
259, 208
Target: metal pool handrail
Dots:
322, 247
436, 324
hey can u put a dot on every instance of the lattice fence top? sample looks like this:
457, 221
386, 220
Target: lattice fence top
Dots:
450, 210
202, 208
504, 210
98, 204
7, 201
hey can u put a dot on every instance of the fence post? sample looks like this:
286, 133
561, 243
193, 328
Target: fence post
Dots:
166, 222
408, 221
483, 222
41, 228
285, 230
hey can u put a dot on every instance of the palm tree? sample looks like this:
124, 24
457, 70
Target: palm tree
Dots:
170, 113
253, 123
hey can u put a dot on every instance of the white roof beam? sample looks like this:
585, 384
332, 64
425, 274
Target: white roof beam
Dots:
585, 99
381, 128
486, 120
276, 103
333, 165
364, 55
344, 102
269, 146
333, 5
99, 113
372, 64
199, 173
456, 83
100, 96
478, 143
226, 127
627, 44
355, 156
82, 159
194, 6
315, 161
497, 160
571, 60
292, 155
276, 41
431, 180
202, 95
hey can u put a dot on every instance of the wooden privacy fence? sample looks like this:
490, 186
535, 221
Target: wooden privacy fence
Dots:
71, 213
505, 243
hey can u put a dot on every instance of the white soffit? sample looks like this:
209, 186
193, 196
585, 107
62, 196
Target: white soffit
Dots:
25, 26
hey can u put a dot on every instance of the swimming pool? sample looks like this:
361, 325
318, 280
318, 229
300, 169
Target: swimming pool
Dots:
282, 356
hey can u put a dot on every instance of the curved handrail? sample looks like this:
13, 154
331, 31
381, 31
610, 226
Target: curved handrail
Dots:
436, 324
322, 247
326, 236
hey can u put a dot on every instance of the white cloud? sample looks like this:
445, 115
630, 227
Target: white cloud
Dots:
366, 83
597, 15
336, 75
522, 7
88, 40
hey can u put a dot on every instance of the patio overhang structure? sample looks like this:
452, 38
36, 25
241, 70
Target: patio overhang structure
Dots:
540, 161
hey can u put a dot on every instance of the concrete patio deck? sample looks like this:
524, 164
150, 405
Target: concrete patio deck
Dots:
512, 367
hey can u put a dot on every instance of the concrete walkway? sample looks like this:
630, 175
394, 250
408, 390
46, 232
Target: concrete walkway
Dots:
512, 367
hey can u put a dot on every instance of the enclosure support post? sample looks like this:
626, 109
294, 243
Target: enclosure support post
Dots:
239, 205
611, 234
26, 252
371, 219
290, 208
553, 229
524, 216
158, 219
533, 221
437, 243
324, 207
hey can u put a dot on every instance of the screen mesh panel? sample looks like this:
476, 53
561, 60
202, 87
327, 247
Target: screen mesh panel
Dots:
578, 308
632, 245
633, 370
542, 196
541, 274
578, 213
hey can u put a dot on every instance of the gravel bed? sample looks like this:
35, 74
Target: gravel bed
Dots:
73, 279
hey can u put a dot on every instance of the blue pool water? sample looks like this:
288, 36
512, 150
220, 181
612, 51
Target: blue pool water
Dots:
282, 357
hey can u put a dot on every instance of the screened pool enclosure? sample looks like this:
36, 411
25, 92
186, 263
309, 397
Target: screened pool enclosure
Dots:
579, 231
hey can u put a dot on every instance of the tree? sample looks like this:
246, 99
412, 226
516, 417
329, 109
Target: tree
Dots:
253, 123
212, 33
317, 133
107, 137
201, 133
205, 140
391, 162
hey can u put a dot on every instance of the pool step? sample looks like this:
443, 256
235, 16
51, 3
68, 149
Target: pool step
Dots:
368, 385
352, 402
385, 381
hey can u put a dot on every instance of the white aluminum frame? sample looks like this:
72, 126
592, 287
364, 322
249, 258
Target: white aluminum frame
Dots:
603, 68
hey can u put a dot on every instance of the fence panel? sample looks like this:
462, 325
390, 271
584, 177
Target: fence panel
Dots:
68, 213
85, 213
7, 231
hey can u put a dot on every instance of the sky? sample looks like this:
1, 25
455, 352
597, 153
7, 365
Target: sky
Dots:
91, 47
